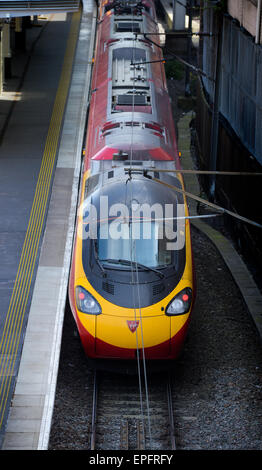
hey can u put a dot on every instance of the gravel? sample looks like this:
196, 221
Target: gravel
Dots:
217, 380
217, 393
219, 376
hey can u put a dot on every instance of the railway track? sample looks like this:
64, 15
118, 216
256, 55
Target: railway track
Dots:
123, 418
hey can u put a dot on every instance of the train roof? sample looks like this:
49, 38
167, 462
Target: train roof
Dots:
129, 104
127, 182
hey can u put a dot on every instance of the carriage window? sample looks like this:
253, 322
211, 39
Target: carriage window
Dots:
124, 27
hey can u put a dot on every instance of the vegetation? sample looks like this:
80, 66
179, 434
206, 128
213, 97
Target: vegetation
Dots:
174, 69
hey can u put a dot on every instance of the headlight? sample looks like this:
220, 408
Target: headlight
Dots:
181, 303
86, 303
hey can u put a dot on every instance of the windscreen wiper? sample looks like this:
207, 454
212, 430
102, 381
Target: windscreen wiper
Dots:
98, 260
127, 262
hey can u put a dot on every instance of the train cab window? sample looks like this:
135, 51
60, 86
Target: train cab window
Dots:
144, 244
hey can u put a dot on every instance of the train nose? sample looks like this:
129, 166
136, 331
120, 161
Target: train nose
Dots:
121, 337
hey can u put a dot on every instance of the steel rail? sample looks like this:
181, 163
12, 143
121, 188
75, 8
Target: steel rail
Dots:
94, 414
140, 435
170, 413
135, 273
124, 434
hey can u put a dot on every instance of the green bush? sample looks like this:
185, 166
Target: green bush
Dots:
174, 69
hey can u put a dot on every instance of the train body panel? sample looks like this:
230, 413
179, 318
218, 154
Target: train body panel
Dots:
130, 291
125, 345
119, 99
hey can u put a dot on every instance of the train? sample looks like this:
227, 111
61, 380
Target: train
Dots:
131, 284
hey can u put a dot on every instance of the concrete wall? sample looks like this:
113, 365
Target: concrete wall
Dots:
245, 11
238, 194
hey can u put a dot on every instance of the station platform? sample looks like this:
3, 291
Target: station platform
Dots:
42, 122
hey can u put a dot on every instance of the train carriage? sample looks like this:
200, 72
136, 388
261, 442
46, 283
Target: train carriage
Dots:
131, 286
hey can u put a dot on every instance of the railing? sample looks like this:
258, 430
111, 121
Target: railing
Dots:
241, 94
241, 91
10, 8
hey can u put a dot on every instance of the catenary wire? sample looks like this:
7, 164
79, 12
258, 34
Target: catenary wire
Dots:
133, 255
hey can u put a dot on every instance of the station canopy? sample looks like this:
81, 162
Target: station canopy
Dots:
15, 8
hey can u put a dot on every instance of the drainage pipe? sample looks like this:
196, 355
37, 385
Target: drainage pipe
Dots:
258, 25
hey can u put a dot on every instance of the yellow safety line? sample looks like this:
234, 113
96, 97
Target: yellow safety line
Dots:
15, 315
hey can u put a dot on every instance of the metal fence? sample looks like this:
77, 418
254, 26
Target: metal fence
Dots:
241, 93
241, 82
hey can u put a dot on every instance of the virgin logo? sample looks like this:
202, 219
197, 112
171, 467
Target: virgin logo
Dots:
132, 325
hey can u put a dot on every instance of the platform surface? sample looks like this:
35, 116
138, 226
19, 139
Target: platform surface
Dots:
40, 158
44, 138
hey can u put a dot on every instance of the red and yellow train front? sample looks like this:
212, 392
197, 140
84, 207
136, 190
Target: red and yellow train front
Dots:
122, 307
119, 333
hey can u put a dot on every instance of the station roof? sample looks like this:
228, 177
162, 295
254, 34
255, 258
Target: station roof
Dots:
14, 8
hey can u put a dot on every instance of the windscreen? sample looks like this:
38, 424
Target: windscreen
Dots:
143, 242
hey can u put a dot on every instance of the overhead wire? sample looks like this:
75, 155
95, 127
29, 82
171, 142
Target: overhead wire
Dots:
133, 256
210, 204
196, 70
206, 172
133, 253
201, 200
